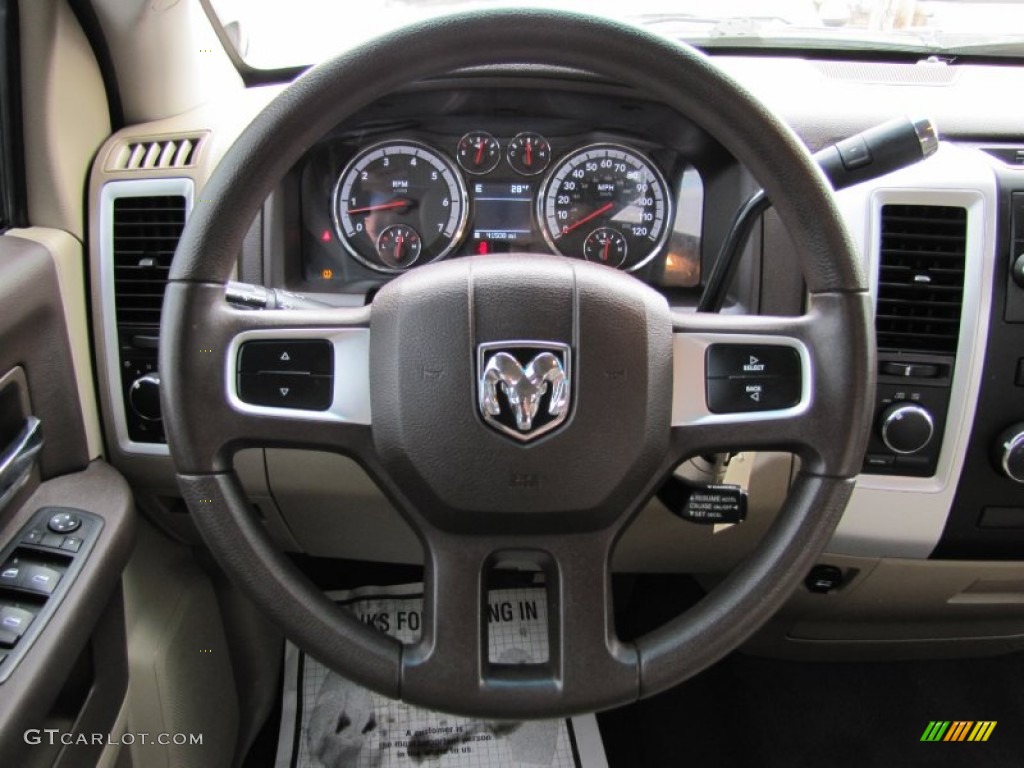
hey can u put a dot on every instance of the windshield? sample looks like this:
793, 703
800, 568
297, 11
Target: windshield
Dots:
274, 34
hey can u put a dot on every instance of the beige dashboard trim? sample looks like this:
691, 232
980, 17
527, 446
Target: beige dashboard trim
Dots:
901, 516
64, 112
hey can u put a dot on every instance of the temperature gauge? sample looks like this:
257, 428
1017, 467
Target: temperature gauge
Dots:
399, 246
606, 246
478, 152
529, 153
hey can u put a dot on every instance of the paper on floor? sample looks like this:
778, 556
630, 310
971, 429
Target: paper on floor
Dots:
330, 722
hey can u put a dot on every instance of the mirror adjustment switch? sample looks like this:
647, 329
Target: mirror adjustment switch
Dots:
64, 522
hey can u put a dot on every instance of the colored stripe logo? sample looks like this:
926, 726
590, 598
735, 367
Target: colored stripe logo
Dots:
958, 730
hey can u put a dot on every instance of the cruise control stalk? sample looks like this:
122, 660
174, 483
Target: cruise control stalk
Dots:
866, 155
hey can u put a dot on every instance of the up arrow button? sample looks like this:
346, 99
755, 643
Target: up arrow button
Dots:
312, 356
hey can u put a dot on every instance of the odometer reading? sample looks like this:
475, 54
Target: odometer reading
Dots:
399, 203
603, 201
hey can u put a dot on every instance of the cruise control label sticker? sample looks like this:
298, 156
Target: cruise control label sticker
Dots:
716, 504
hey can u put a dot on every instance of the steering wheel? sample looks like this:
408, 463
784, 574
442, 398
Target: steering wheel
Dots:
407, 393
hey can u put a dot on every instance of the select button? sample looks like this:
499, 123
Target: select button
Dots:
746, 360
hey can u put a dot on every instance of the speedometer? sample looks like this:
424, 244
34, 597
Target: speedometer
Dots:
606, 203
397, 204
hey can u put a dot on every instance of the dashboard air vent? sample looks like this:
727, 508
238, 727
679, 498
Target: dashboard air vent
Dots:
921, 278
146, 231
156, 154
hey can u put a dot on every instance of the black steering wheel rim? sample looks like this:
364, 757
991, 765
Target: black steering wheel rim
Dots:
838, 325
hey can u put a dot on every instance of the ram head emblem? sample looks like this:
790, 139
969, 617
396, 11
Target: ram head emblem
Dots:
524, 387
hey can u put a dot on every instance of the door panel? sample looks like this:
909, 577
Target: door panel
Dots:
33, 336
63, 660
68, 258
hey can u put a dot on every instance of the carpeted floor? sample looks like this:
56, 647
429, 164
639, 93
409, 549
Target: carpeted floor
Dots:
748, 712
757, 712
752, 712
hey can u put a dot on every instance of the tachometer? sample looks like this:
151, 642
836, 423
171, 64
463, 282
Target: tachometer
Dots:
606, 203
399, 203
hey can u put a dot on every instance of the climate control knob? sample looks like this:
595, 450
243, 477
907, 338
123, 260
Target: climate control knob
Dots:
906, 428
144, 397
1010, 452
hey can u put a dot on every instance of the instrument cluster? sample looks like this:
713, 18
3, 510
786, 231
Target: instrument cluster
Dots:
408, 199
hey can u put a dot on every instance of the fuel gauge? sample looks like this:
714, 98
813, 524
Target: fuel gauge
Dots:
529, 153
478, 152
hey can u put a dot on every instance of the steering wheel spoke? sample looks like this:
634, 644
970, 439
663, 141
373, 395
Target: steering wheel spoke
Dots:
294, 378
457, 658
749, 382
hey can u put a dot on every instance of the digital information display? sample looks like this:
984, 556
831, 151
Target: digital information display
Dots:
502, 211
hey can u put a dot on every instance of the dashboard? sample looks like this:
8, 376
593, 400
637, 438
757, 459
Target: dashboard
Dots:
441, 175
941, 522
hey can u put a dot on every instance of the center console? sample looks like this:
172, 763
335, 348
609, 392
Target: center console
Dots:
987, 516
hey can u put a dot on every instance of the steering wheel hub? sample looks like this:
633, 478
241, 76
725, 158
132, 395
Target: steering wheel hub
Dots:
435, 331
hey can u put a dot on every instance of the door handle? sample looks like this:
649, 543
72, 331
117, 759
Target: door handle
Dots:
18, 458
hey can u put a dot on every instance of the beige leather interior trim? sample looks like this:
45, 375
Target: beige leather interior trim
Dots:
66, 118
165, 42
902, 608
180, 673
67, 256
